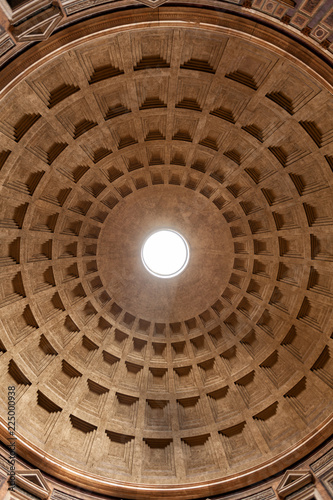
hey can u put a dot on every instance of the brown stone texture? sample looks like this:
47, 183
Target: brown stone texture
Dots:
222, 370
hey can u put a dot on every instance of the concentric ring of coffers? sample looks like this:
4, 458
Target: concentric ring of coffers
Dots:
197, 397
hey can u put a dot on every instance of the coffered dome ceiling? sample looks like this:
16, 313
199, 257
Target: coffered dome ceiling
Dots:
213, 378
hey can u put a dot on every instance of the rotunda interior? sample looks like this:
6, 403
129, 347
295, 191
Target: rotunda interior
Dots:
218, 125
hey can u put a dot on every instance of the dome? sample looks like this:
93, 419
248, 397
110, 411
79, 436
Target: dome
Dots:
213, 128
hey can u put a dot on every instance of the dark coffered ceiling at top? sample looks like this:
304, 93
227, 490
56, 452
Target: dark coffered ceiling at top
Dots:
226, 370
26, 21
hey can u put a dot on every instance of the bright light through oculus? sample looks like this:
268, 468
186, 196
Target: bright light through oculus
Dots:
165, 253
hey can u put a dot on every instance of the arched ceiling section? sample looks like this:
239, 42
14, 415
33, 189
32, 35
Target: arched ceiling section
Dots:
26, 21
223, 375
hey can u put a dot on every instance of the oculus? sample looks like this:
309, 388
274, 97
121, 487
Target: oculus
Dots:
165, 253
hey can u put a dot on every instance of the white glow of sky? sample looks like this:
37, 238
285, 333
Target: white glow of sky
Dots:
165, 253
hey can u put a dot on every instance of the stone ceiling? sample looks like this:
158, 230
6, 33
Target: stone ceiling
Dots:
223, 373
25, 21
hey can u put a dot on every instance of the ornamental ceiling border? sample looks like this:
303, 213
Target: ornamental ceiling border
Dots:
74, 476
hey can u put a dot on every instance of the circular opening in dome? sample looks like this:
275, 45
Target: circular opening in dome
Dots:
165, 253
